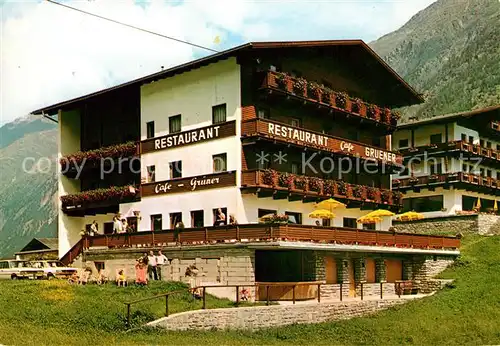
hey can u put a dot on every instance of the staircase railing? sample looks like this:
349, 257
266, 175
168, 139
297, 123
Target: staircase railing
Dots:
73, 253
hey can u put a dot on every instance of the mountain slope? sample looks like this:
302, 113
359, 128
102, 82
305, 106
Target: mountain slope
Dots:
28, 195
450, 53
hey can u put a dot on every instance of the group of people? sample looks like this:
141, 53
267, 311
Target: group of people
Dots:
120, 225
150, 266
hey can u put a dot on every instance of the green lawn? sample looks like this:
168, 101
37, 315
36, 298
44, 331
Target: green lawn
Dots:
55, 313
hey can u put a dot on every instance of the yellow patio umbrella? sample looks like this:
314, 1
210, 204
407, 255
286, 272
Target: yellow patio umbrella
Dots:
368, 219
380, 213
321, 214
495, 206
330, 204
265, 218
410, 216
478, 204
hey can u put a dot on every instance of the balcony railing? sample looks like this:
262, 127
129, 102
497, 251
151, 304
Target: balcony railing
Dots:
275, 232
338, 101
99, 198
298, 136
317, 187
446, 178
462, 146
97, 157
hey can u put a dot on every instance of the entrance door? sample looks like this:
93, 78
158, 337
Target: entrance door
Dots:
352, 284
394, 269
331, 270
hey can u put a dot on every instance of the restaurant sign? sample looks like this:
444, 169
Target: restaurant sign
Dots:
328, 143
191, 184
179, 139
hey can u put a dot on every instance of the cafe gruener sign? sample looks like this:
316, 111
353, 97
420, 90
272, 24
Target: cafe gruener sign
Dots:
190, 184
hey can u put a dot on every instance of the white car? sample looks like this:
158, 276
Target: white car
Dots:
19, 269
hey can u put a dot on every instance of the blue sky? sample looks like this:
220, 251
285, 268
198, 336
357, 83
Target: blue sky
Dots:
49, 53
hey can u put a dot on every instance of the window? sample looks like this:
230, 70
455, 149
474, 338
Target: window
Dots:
263, 113
488, 173
175, 218
108, 228
175, 169
464, 137
405, 171
295, 167
471, 139
488, 145
264, 212
436, 138
465, 168
498, 146
437, 168
219, 114
151, 174
197, 218
481, 142
220, 162
156, 222
99, 266
174, 124
325, 222
403, 143
295, 218
150, 129
295, 122
350, 222
370, 226
423, 204
224, 212
132, 223
481, 172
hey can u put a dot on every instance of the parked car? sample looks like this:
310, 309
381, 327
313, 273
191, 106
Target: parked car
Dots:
19, 269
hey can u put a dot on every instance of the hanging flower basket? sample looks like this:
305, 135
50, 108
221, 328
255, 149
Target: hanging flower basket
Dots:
314, 91
281, 80
356, 106
300, 183
329, 187
299, 86
342, 188
341, 99
372, 111
285, 180
315, 184
269, 177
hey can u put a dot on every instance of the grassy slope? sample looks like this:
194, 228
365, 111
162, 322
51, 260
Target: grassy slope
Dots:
466, 314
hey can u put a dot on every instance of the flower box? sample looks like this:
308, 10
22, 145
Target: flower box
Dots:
372, 111
269, 177
114, 193
285, 180
342, 188
341, 100
356, 106
315, 184
358, 191
94, 156
314, 91
300, 183
282, 80
328, 187
371, 193
299, 86
386, 196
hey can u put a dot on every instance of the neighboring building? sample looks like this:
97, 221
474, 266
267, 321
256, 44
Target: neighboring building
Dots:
451, 161
246, 131
39, 249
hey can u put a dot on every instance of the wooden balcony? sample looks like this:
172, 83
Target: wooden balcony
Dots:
323, 97
100, 201
104, 158
255, 233
488, 154
287, 134
309, 189
466, 181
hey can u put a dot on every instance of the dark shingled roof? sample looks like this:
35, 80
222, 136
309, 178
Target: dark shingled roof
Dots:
411, 96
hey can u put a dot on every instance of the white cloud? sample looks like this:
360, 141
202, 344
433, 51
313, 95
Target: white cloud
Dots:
49, 53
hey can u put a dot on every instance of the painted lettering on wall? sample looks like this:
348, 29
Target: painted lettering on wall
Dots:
195, 182
297, 135
345, 146
380, 154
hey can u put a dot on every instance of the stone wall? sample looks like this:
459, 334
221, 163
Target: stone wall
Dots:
452, 225
272, 316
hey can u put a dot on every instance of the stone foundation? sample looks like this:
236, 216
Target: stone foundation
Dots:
272, 316
452, 225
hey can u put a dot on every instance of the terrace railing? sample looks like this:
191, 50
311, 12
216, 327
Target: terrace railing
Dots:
436, 179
